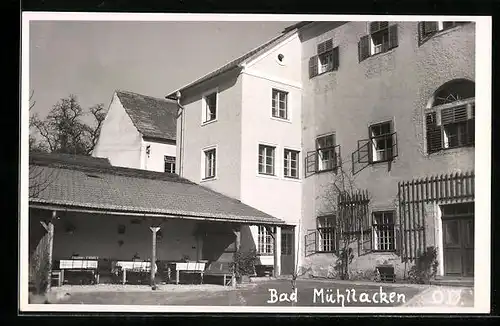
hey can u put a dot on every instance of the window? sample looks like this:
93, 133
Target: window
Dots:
266, 159
169, 164
279, 104
210, 160
381, 38
427, 29
210, 107
451, 123
326, 232
265, 241
291, 164
327, 158
384, 231
381, 142
325, 60
286, 243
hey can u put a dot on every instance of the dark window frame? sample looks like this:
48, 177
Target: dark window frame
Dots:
320, 152
210, 116
388, 228
430, 29
326, 226
264, 241
325, 49
275, 104
387, 137
264, 160
365, 49
168, 164
287, 163
208, 165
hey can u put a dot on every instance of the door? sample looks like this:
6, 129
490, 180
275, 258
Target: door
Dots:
458, 239
287, 251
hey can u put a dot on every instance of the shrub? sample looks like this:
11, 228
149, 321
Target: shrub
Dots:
345, 258
244, 263
41, 272
425, 267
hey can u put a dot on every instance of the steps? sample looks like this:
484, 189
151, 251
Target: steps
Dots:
454, 281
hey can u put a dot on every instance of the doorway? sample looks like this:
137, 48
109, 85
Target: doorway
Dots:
458, 239
287, 251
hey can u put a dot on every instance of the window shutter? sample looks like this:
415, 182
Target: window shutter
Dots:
453, 115
433, 133
361, 156
398, 245
335, 55
313, 66
328, 45
311, 162
393, 36
311, 242
363, 48
321, 47
420, 27
471, 132
429, 28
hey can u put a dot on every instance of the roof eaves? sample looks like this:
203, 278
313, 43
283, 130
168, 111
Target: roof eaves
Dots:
141, 210
234, 63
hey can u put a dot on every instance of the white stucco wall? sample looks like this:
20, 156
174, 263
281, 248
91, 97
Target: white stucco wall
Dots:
119, 141
224, 133
157, 151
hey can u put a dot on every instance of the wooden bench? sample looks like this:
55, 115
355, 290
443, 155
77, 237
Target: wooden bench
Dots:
187, 267
220, 269
138, 271
85, 270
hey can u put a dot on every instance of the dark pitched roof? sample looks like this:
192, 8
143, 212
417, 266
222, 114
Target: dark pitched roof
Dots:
240, 60
153, 117
99, 187
61, 158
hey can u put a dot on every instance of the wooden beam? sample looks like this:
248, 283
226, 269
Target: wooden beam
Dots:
153, 215
277, 251
154, 230
50, 234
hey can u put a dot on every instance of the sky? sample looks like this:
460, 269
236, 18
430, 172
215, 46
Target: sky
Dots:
92, 59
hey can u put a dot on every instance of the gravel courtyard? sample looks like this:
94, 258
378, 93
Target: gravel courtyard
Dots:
309, 293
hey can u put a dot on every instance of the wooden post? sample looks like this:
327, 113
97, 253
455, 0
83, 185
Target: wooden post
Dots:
49, 227
154, 229
237, 233
277, 251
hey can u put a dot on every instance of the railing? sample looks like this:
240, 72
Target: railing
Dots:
413, 197
368, 150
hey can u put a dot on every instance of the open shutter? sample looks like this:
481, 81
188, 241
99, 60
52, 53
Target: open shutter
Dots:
311, 162
398, 244
393, 36
433, 133
311, 242
313, 66
421, 32
328, 45
429, 28
471, 132
361, 156
363, 48
335, 55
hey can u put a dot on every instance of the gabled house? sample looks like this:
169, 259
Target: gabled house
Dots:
139, 132
239, 133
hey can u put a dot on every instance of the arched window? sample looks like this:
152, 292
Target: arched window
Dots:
450, 117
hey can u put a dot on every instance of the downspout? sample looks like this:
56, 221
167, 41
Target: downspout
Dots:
181, 140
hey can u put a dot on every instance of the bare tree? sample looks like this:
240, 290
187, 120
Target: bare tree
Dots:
39, 179
348, 204
63, 131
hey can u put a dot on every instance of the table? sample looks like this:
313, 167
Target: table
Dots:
188, 267
79, 265
133, 266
